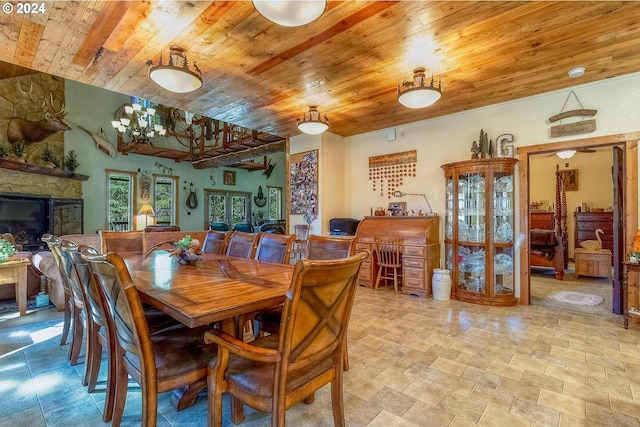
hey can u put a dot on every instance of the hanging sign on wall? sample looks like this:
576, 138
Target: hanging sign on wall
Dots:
392, 170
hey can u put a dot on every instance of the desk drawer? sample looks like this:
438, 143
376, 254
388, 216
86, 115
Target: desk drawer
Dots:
414, 251
413, 273
363, 247
365, 271
413, 262
412, 283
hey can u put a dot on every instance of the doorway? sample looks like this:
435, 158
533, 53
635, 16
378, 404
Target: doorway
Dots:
628, 184
228, 207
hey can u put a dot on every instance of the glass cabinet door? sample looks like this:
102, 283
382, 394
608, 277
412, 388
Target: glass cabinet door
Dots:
503, 233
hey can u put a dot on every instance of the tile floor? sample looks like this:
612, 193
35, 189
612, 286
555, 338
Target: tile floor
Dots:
414, 362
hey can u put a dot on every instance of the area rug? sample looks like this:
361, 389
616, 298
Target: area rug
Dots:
576, 298
10, 305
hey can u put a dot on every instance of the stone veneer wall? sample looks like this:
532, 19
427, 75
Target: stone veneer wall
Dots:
39, 185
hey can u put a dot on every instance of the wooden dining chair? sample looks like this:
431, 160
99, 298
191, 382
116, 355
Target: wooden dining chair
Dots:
75, 302
328, 247
274, 248
49, 239
167, 359
120, 241
216, 242
388, 260
243, 245
273, 373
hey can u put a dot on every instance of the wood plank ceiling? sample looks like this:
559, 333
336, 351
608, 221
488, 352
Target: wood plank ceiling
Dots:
349, 62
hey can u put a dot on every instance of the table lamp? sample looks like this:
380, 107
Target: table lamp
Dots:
147, 211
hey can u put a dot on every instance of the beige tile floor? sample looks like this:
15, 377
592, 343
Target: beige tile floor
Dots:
414, 362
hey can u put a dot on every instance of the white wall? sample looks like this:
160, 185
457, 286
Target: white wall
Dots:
91, 108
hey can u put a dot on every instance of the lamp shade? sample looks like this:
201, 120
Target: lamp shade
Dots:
176, 75
416, 93
290, 13
146, 210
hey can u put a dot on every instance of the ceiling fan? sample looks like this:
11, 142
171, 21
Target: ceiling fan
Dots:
569, 155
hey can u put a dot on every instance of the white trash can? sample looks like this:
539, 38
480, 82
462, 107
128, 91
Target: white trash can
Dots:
441, 284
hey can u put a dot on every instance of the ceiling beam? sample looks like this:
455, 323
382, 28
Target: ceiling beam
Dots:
241, 156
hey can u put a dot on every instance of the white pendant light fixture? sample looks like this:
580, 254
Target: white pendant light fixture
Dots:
175, 76
314, 124
290, 13
566, 154
417, 93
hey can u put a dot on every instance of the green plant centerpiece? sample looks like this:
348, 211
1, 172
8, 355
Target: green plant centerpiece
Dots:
7, 250
187, 250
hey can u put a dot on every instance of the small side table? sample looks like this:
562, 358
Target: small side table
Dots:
15, 271
593, 263
626, 268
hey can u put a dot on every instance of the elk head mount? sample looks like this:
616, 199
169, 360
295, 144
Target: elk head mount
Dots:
28, 131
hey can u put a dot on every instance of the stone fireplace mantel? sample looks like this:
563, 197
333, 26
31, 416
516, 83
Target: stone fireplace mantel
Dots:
24, 167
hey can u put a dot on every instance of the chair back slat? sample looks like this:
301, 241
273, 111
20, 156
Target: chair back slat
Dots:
325, 247
317, 309
216, 242
121, 241
95, 298
243, 245
79, 297
274, 248
53, 242
388, 251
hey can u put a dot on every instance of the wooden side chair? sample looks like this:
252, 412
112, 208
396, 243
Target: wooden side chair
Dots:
275, 248
216, 242
50, 240
243, 245
167, 359
273, 373
121, 241
327, 247
389, 261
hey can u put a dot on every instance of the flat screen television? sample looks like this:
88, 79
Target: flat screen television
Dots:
26, 219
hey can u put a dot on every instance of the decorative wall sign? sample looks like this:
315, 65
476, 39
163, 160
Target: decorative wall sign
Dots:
502, 148
145, 185
392, 169
229, 178
304, 184
583, 126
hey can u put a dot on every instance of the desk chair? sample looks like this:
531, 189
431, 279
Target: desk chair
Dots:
168, 359
274, 373
389, 261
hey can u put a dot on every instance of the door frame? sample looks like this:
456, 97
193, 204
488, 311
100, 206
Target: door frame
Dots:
227, 194
630, 169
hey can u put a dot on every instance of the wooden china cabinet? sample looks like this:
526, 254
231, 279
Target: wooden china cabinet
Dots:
479, 230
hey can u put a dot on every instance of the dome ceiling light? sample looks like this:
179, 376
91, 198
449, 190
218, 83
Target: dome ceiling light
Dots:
315, 124
175, 76
417, 93
290, 13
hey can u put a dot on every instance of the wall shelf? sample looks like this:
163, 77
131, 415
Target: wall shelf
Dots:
25, 167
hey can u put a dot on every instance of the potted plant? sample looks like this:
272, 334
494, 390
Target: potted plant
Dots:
71, 161
7, 250
49, 159
634, 256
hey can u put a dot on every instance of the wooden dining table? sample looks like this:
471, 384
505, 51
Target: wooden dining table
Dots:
217, 288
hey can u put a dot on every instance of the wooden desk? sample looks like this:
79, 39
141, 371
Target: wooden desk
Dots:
15, 272
216, 289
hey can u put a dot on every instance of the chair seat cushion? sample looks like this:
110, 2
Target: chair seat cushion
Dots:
177, 351
257, 378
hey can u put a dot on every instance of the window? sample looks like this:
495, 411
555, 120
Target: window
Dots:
274, 200
120, 207
165, 190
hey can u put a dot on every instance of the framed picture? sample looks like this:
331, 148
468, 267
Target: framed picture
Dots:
229, 178
570, 179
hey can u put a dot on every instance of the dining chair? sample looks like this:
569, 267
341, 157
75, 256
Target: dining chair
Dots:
299, 249
319, 248
273, 373
328, 247
73, 316
165, 360
388, 260
274, 248
243, 226
49, 239
216, 242
243, 245
219, 226
120, 241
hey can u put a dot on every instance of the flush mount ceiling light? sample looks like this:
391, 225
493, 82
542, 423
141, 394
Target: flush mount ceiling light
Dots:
576, 72
566, 154
416, 93
290, 13
175, 76
314, 124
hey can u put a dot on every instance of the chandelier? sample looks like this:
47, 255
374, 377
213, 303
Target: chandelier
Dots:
416, 93
290, 13
137, 123
314, 124
175, 75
